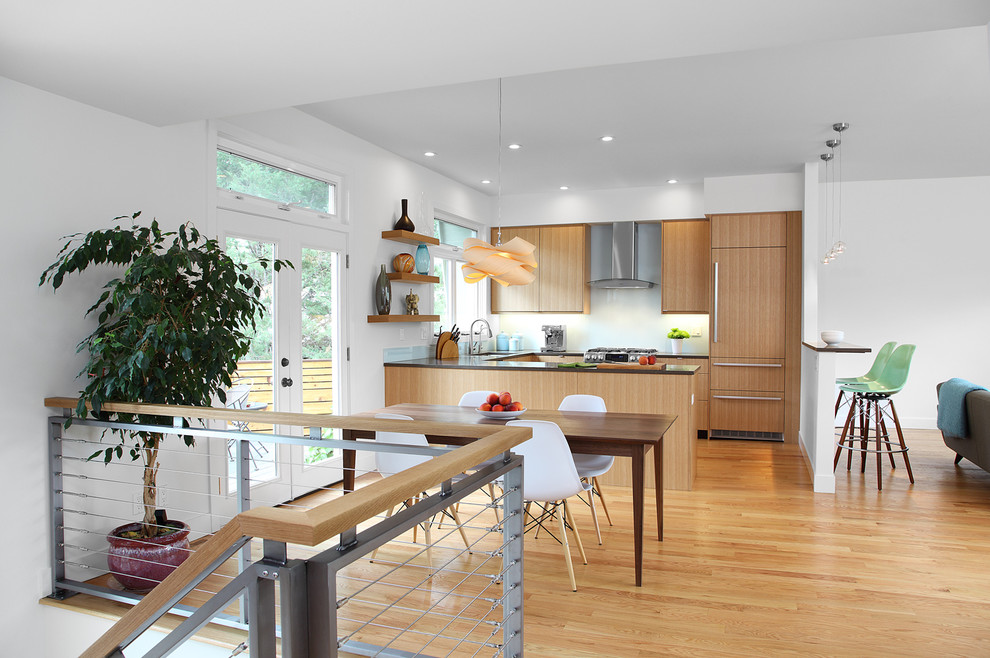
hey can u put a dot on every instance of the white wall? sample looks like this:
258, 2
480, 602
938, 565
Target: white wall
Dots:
757, 193
915, 271
66, 167
599, 206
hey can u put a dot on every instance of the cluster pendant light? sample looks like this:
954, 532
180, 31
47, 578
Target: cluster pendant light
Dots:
833, 195
510, 264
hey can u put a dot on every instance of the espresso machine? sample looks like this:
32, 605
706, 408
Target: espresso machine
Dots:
555, 338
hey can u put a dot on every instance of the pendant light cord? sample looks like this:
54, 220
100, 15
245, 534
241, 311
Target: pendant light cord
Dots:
498, 204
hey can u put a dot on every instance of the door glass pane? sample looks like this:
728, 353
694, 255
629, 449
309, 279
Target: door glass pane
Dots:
319, 295
252, 387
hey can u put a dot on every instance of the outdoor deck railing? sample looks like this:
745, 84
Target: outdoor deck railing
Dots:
331, 573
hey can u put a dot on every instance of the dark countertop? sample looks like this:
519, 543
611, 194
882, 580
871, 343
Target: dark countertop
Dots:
492, 361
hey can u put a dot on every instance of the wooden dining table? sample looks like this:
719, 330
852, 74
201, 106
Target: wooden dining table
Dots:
600, 433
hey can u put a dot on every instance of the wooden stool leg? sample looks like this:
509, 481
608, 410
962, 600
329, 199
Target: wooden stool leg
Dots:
886, 443
876, 411
900, 437
594, 514
460, 527
864, 425
842, 438
574, 529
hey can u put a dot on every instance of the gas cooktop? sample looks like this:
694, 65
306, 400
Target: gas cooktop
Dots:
617, 354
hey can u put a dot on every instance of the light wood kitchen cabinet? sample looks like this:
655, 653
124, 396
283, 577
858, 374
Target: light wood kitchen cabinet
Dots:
523, 299
754, 328
684, 266
700, 387
562, 254
768, 229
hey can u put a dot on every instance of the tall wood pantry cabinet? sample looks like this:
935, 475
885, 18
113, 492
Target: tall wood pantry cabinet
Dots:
752, 323
561, 285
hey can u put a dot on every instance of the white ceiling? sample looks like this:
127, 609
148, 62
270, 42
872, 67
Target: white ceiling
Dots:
707, 88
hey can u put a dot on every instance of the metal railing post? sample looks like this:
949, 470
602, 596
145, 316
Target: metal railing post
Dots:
242, 479
55, 483
512, 564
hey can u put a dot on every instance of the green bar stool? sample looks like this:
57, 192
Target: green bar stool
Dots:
871, 376
872, 405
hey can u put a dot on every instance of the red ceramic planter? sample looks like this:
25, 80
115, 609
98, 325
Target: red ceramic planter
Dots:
140, 564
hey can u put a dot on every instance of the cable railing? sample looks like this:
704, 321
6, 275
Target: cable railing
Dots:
305, 568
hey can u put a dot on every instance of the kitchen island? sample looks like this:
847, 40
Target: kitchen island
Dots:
542, 385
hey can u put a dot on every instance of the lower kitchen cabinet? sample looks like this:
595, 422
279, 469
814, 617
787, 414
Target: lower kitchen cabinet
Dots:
701, 385
746, 411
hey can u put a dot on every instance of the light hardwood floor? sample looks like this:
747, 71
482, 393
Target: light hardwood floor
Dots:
754, 563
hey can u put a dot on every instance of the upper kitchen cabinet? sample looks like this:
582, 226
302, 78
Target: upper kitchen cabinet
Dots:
767, 229
685, 266
561, 274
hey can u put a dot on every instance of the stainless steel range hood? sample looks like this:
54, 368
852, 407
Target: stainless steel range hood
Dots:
623, 260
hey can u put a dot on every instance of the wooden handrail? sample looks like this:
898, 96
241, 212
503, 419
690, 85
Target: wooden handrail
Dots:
316, 525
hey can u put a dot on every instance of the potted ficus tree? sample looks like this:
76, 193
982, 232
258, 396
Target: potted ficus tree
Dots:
171, 328
677, 337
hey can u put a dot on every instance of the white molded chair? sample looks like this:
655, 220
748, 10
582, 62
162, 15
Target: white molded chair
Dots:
549, 477
474, 398
390, 463
590, 467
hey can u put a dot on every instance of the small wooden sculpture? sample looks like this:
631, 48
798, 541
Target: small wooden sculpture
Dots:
412, 303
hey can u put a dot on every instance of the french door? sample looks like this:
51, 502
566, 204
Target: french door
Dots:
296, 360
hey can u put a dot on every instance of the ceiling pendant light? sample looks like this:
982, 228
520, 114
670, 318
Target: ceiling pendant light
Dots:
511, 264
827, 158
839, 246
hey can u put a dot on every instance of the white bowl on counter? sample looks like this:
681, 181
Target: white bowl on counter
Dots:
833, 337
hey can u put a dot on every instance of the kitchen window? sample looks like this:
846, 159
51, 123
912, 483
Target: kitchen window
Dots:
455, 301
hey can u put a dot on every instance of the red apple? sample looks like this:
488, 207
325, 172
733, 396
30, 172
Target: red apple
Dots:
492, 398
498, 407
643, 360
485, 407
515, 406
505, 398
651, 359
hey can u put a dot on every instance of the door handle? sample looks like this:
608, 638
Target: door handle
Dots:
715, 314
286, 382
751, 365
744, 397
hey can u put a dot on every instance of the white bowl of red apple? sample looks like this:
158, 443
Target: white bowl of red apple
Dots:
501, 405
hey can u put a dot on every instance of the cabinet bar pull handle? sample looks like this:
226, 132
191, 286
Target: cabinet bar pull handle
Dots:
715, 320
744, 397
751, 365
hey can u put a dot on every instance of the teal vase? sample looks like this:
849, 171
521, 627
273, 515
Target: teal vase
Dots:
422, 259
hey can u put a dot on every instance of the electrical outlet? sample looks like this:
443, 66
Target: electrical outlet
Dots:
424, 331
402, 334
696, 332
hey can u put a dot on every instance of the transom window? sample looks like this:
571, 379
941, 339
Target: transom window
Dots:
244, 175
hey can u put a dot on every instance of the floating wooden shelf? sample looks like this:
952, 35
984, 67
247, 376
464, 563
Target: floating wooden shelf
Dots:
403, 318
412, 277
409, 237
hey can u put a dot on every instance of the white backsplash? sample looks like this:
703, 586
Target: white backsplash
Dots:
618, 318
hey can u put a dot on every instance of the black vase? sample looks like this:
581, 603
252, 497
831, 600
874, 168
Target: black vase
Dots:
383, 293
404, 223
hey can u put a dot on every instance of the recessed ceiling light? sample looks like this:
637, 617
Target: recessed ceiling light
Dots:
429, 154
486, 182
607, 138
671, 180
515, 146
564, 187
